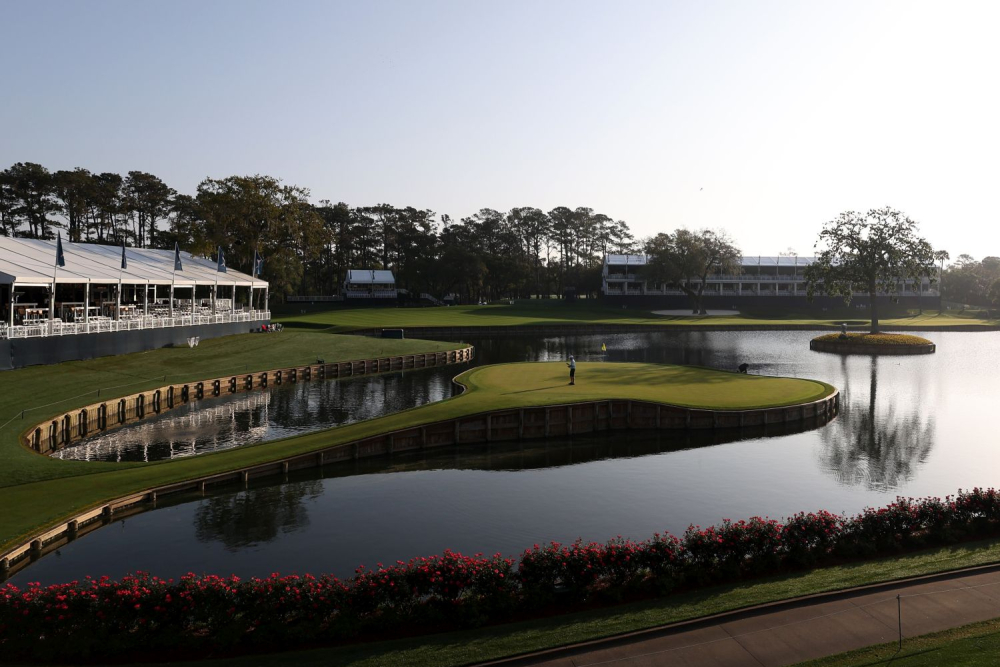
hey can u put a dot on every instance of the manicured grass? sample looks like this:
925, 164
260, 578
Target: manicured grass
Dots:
556, 312
462, 648
519, 385
882, 338
973, 645
36, 489
63, 489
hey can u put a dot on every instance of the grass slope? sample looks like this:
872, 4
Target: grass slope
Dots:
555, 312
42, 503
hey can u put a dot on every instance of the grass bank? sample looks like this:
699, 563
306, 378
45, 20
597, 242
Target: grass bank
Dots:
36, 490
556, 312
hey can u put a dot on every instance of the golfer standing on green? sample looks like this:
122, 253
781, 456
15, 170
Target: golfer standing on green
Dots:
572, 369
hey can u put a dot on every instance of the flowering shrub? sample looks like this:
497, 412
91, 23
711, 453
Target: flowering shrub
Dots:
808, 538
140, 614
881, 338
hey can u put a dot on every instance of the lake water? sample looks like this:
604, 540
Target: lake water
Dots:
908, 426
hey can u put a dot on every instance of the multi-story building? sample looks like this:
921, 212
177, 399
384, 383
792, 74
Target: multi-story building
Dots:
763, 282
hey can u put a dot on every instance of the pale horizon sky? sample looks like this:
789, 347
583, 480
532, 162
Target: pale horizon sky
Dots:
765, 119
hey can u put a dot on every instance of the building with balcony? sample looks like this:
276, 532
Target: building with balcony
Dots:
370, 285
763, 283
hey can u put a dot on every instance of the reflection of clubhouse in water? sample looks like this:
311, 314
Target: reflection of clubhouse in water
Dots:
876, 445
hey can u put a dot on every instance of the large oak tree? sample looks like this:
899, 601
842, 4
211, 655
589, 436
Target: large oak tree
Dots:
873, 253
685, 260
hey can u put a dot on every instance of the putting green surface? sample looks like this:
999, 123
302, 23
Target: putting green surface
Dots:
556, 312
527, 384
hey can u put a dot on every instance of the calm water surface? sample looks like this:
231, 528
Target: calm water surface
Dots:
909, 426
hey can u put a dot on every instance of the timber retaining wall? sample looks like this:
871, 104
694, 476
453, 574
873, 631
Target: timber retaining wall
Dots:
500, 425
64, 429
838, 347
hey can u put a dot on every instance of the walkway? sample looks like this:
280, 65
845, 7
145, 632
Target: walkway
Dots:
790, 632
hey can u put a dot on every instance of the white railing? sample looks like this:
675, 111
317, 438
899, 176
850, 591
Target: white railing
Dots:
310, 299
40, 328
372, 294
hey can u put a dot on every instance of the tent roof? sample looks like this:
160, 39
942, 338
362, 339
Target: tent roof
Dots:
369, 276
32, 261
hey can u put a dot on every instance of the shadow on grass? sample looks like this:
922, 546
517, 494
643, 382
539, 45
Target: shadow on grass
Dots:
526, 391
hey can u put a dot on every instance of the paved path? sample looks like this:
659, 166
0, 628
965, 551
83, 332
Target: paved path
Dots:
790, 632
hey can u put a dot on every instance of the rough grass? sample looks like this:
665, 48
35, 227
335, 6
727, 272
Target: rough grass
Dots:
973, 645
882, 338
557, 312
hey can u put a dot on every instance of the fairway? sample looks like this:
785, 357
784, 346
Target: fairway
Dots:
529, 384
556, 312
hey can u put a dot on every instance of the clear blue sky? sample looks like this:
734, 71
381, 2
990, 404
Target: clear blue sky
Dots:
763, 118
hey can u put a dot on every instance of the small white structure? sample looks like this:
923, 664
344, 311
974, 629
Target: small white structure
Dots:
370, 284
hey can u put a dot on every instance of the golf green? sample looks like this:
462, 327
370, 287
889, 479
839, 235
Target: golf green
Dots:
531, 384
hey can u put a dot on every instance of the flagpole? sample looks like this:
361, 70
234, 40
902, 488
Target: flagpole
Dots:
52, 297
118, 305
173, 276
215, 294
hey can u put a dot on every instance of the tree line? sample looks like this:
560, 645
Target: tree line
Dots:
973, 282
307, 248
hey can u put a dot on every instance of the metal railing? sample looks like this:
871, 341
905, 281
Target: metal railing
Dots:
44, 328
310, 299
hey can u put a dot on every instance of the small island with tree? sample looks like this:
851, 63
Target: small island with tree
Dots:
875, 253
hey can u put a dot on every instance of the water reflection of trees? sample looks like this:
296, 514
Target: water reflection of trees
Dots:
256, 515
880, 446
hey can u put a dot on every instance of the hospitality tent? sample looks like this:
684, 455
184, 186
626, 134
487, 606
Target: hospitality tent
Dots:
28, 266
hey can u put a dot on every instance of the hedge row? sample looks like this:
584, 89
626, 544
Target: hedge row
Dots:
142, 615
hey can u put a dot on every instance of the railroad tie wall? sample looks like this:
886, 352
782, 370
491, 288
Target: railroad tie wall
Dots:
79, 423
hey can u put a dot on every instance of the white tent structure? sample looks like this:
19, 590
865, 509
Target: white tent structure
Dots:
92, 293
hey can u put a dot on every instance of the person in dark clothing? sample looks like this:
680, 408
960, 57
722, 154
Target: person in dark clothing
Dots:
572, 369
744, 367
